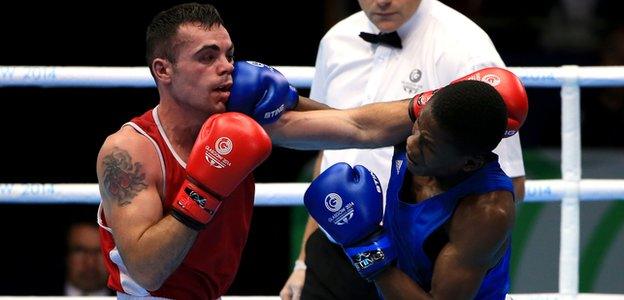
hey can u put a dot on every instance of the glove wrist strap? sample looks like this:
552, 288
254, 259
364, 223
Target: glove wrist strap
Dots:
184, 219
193, 206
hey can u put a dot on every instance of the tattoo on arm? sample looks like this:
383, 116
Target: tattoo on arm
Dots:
122, 179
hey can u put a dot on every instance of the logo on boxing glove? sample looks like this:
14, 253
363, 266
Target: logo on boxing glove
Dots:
333, 202
342, 215
196, 197
261, 65
377, 184
201, 201
366, 259
491, 79
223, 146
274, 113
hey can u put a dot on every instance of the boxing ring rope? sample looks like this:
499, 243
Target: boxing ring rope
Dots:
291, 194
109, 77
301, 77
570, 189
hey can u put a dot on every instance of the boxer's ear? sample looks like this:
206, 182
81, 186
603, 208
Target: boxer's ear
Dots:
473, 162
161, 69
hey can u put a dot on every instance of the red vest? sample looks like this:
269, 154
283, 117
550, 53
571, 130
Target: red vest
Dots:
211, 263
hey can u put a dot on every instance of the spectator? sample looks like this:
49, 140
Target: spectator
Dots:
86, 274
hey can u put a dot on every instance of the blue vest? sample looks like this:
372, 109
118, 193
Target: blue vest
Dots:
410, 225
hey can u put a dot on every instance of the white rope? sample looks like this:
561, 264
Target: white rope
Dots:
104, 77
288, 194
555, 76
107, 77
301, 77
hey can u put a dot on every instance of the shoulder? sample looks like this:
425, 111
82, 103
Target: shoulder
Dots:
131, 150
126, 138
492, 207
487, 218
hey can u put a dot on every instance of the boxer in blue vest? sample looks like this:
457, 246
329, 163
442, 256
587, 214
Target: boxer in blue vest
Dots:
450, 209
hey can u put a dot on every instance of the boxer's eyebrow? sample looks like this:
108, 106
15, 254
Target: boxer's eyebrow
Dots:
425, 138
213, 47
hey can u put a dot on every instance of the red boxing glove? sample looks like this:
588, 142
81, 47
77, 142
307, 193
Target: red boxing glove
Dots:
504, 81
418, 103
511, 89
229, 147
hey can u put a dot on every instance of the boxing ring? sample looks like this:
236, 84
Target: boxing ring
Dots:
570, 189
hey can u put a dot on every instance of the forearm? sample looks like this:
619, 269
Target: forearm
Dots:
383, 124
370, 126
394, 284
158, 252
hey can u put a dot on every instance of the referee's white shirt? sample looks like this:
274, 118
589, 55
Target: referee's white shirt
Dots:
439, 45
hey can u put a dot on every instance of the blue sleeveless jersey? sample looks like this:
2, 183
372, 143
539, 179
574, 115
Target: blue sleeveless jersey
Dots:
410, 225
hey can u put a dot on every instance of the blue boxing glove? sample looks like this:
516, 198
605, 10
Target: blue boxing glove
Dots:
261, 92
347, 203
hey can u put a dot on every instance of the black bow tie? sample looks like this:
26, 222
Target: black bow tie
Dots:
391, 39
